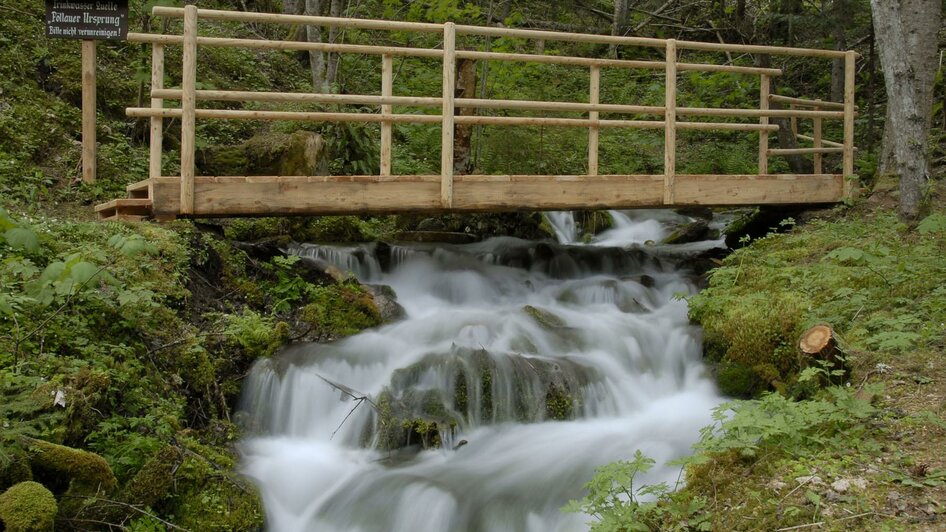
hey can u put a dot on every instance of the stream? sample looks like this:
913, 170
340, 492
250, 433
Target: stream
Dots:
518, 369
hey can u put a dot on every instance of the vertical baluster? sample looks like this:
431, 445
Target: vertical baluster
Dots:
188, 109
848, 161
764, 84
387, 90
449, 87
157, 123
817, 143
670, 121
594, 131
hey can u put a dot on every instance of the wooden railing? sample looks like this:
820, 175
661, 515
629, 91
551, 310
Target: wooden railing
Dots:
666, 116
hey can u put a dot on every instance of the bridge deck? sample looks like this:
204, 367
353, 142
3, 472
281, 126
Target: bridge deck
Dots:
317, 195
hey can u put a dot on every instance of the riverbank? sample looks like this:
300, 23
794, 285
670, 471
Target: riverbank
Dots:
865, 453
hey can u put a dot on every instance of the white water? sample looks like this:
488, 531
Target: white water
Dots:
617, 343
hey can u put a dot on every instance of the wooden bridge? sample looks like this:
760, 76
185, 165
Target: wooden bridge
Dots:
166, 197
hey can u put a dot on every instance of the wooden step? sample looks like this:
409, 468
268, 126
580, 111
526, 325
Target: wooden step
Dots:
125, 209
139, 190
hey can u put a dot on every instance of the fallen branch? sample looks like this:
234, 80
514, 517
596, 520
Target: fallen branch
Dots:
130, 507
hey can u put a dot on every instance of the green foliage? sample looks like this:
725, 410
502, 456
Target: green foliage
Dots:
620, 506
795, 427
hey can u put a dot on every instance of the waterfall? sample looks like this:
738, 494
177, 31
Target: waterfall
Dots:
520, 367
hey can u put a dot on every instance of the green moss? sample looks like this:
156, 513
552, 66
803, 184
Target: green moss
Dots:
155, 480
546, 319
88, 471
208, 496
340, 310
559, 404
28, 507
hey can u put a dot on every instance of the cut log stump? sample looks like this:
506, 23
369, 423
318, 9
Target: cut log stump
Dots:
819, 343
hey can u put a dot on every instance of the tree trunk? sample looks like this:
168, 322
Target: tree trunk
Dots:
291, 7
906, 36
463, 134
619, 25
505, 9
334, 58
316, 58
840, 20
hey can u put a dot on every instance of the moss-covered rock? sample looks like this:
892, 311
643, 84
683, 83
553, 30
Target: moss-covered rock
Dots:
544, 318
208, 495
298, 154
89, 472
28, 507
155, 480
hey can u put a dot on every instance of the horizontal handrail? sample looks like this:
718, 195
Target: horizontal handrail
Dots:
804, 151
489, 31
149, 112
818, 104
826, 142
437, 54
476, 103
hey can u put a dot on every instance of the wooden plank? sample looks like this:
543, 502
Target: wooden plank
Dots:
758, 190
594, 97
387, 129
89, 140
848, 156
670, 121
123, 202
764, 82
447, 132
803, 151
817, 104
188, 108
275, 195
645, 191
156, 139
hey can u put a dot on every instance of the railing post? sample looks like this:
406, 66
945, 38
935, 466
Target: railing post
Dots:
446, 139
593, 132
89, 140
387, 90
764, 88
816, 136
157, 123
188, 109
848, 161
670, 121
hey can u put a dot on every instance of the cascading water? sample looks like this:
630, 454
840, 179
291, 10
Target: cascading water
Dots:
529, 363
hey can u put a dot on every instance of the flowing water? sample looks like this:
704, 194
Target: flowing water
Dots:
529, 363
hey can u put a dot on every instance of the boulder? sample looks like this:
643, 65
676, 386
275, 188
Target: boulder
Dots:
299, 153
